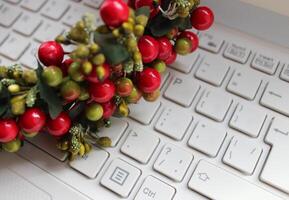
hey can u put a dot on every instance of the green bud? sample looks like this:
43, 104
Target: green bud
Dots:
94, 112
14, 88
99, 59
52, 76
94, 48
82, 51
142, 20
127, 27
139, 30
160, 66
75, 72
17, 106
12, 146
104, 142
86, 67
29, 76
183, 46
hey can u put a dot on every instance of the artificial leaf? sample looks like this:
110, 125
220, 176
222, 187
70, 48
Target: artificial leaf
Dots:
75, 110
184, 23
114, 52
31, 96
145, 10
4, 101
160, 26
48, 95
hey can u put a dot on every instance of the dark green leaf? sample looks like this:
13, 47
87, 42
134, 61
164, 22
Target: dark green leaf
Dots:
76, 110
160, 26
48, 95
4, 101
3, 109
145, 10
184, 23
114, 52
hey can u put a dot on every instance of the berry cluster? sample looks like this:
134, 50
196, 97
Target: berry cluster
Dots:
73, 94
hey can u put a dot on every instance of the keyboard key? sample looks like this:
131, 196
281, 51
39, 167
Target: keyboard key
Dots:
93, 3
14, 46
27, 24
237, 53
90, 164
285, 73
243, 154
48, 31
214, 105
13, 1
29, 57
155, 189
216, 183
55, 9
275, 172
3, 35
185, 63
245, 83
115, 132
265, 63
208, 138
8, 15
144, 111
174, 122
5, 61
47, 143
276, 97
120, 177
148, 141
33, 5
182, 91
210, 42
74, 15
212, 70
173, 162
244, 121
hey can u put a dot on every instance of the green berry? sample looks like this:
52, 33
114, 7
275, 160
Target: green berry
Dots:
86, 67
52, 76
134, 96
160, 66
94, 48
99, 59
29, 76
17, 105
82, 51
70, 90
141, 20
127, 27
139, 30
12, 146
74, 72
94, 112
183, 46
84, 95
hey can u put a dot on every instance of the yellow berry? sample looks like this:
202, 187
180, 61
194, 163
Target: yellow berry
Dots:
86, 67
14, 88
128, 27
94, 48
142, 20
139, 30
99, 59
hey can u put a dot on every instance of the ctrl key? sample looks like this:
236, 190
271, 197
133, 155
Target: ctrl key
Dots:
120, 177
154, 189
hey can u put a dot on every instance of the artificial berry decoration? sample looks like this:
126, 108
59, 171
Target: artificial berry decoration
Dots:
50, 53
94, 112
124, 87
60, 125
70, 90
135, 96
192, 37
65, 66
149, 48
99, 73
153, 4
108, 109
183, 46
114, 12
32, 121
52, 76
8, 130
149, 80
202, 18
172, 58
102, 92
165, 48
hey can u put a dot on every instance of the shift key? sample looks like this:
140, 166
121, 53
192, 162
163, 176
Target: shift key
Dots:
276, 97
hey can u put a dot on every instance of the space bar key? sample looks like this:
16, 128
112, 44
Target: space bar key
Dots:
219, 184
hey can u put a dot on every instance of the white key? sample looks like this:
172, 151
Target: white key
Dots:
182, 91
93, 3
148, 141
276, 97
3, 34
8, 15
27, 24
174, 122
29, 57
5, 61
245, 83
48, 31
120, 177
265, 63
173, 162
47, 143
115, 131
33, 5
13, 1
210, 42
55, 9
212, 70
155, 189
243, 154
285, 73
208, 138
14, 46
185, 63
276, 171
90, 164
237, 53
143, 111
216, 183
214, 104
74, 14
246, 122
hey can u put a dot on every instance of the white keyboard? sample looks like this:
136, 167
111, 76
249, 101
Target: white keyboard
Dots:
220, 130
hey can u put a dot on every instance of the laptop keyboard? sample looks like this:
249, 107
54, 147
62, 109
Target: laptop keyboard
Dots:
219, 131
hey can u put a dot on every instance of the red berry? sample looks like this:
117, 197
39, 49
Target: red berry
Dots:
60, 125
202, 18
153, 10
124, 87
172, 58
50, 53
92, 77
8, 130
192, 37
165, 48
114, 12
149, 48
102, 92
65, 66
108, 109
149, 80
32, 121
